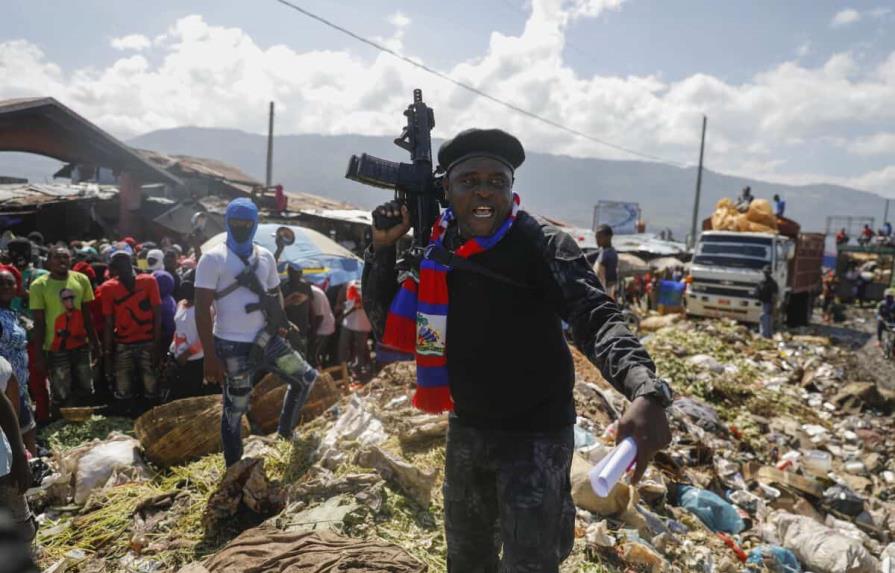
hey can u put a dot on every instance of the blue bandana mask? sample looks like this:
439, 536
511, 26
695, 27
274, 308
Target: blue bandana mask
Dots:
241, 208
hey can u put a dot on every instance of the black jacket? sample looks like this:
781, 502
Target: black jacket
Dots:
766, 290
508, 363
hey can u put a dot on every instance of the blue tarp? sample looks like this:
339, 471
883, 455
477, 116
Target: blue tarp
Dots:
325, 262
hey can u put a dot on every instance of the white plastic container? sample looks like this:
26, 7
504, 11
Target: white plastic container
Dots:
855, 468
817, 462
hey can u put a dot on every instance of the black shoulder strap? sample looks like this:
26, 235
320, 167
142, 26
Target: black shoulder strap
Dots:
445, 257
235, 284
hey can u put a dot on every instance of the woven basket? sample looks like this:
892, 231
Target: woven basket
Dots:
182, 430
267, 401
77, 414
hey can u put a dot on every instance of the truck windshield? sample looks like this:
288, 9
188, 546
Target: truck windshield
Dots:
750, 255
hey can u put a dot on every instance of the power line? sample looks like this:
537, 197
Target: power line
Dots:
475, 90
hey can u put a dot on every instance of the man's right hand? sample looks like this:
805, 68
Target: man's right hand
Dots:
214, 369
388, 237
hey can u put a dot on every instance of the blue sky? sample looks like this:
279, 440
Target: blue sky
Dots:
796, 91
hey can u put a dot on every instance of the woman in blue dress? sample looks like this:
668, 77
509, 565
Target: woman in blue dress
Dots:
14, 348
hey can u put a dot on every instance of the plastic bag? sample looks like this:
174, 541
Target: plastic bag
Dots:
98, 464
716, 513
843, 500
775, 559
821, 549
356, 423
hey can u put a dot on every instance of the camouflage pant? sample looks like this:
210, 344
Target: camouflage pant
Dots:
508, 489
71, 378
279, 359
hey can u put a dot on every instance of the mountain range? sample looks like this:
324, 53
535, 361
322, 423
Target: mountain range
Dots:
561, 187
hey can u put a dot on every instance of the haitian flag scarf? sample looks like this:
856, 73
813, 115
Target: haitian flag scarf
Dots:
417, 317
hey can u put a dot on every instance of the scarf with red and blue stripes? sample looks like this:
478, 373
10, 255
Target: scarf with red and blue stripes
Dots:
417, 317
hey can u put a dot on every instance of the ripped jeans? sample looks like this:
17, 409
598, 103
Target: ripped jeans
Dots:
280, 359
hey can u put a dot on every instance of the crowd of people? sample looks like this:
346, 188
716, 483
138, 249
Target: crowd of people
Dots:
882, 237
114, 323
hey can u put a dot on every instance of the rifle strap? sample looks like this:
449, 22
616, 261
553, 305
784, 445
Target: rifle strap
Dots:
440, 255
235, 284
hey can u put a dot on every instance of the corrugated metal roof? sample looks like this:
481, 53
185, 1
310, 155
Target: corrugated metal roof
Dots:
187, 165
304, 201
347, 215
47, 127
24, 195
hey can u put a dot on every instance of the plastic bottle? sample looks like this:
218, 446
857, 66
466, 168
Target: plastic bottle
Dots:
817, 462
855, 467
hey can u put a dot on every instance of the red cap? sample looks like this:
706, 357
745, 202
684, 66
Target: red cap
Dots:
130, 241
14, 272
84, 267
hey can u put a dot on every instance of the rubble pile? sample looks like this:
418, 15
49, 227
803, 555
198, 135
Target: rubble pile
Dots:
781, 461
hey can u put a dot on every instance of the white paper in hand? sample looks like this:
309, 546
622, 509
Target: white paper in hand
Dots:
611, 468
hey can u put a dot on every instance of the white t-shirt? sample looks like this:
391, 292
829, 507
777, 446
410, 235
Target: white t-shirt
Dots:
5, 449
217, 270
320, 307
186, 335
5, 373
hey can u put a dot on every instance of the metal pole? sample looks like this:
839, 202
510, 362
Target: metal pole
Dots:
693, 226
268, 180
886, 213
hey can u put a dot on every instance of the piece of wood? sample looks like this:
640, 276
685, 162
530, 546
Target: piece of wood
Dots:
799, 483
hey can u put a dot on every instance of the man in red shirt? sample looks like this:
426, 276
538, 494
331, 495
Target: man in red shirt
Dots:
133, 331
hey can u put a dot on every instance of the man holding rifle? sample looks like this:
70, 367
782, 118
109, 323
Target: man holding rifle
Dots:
239, 278
483, 315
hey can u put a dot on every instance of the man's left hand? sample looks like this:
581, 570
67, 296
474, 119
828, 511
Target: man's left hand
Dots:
21, 472
645, 421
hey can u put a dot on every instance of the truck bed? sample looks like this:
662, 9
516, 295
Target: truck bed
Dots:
805, 267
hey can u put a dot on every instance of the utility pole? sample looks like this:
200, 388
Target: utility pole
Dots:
693, 226
269, 179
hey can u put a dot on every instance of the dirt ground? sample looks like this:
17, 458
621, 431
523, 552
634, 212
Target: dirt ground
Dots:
858, 332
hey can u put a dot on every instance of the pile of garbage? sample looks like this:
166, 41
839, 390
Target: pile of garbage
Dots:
780, 462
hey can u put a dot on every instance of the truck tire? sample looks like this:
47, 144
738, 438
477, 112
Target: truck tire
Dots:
798, 310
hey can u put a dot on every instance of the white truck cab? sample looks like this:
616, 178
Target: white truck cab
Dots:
726, 268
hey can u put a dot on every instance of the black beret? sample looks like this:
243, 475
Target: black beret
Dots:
475, 142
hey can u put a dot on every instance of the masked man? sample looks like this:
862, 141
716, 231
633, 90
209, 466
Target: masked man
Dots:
485, 321
240, 279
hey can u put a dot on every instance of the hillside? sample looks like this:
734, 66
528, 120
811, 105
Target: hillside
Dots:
562, 187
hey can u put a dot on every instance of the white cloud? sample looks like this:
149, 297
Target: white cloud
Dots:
882, 181
876, 144
804, 49
211, 75
399, 20
395, 42
845, 17
135, 42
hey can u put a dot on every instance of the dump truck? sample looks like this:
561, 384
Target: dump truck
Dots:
728, 265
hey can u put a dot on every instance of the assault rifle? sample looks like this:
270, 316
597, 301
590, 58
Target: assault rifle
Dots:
415, 184
268, 304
